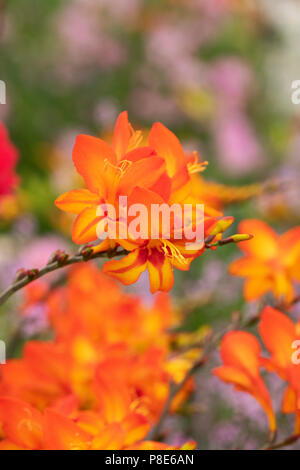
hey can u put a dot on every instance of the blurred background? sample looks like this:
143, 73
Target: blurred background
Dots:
218, 73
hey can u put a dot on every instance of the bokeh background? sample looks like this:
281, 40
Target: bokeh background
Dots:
216, 72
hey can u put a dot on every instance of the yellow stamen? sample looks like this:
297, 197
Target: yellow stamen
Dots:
118, 172
172, 251
135, 140
195, 166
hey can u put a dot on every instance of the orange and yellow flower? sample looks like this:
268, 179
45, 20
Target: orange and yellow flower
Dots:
240, 353
156, 174
271, 261
280, 336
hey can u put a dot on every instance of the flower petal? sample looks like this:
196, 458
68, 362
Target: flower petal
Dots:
278, 333
129, 268
143, 173
255, 287
167, 145
85, 226
76, 201
122, 135
89, 156
21, 423
249, 267
264, 245
61, 433
160, 272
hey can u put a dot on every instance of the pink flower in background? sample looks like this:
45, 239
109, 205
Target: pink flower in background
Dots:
232, 81
85, 42
239, 151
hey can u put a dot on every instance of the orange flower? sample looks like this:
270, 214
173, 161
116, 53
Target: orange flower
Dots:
272, 261
157, 175
279, 334
240, 352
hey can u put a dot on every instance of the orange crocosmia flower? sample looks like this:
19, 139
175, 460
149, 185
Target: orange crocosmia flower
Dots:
271, 262
109, 172
154, 176
240, 352
279, 334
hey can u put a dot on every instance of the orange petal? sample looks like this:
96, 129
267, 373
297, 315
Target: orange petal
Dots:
61, 433
22, 424
256, 287
140, 153
241, 350
283, 286
162, 187
248, 266
166, 144
77, 200
289, 401
264, 245
122, 135
278, 333
234, 376
160, 272
111, 437
136, 427
89, 156
113, 397
290, 252
129, 268
143, 173
85, 226
5, 444
147, 199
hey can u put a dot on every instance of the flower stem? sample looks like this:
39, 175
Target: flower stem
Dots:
33, 274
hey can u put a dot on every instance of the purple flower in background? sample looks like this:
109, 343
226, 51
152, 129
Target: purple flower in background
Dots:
232, 81
239, 151
32, 254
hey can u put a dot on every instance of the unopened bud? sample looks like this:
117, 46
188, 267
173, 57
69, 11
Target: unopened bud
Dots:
86, 251
32, 273
20, 274
59, 256
222, 225
241, 237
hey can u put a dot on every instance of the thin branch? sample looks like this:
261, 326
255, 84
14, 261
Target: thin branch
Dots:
286, 442
58, 260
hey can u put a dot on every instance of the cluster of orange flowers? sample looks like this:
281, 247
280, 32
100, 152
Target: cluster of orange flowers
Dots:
153, 171
103, 381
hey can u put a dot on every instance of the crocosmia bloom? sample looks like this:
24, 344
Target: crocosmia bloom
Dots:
240, 353
282, 339
157, 174
271, 261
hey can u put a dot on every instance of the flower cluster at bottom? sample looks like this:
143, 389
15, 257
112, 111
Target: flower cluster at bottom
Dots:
104, 379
